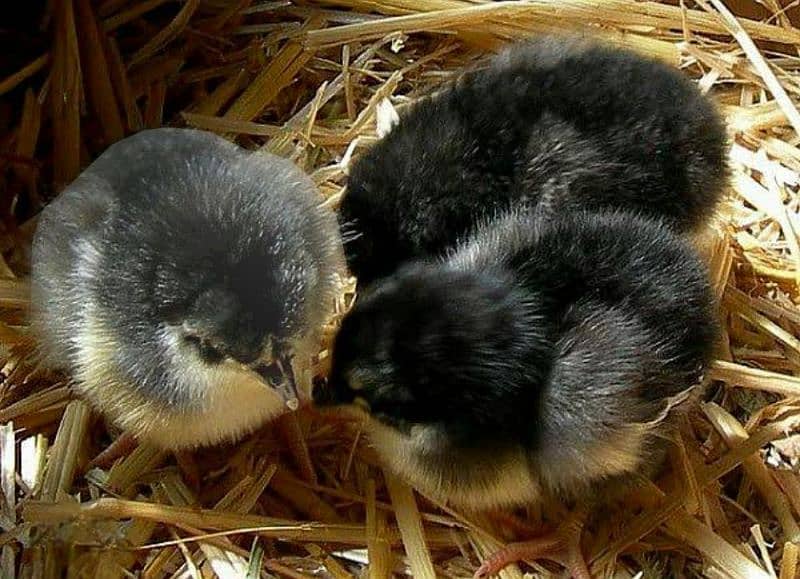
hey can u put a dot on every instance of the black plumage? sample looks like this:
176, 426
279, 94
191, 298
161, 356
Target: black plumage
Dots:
556, 123
546, 337
177, 276
537, 313
540, 360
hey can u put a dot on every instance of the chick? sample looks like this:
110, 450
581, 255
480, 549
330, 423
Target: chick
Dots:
183, 281
539, 360
558, 122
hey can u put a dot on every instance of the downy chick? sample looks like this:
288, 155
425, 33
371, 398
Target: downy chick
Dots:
540, 359
182, 281
555, 123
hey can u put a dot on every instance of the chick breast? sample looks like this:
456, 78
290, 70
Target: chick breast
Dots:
126, 257
553, 123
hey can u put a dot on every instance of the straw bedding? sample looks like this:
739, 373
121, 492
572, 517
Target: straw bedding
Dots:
305, 497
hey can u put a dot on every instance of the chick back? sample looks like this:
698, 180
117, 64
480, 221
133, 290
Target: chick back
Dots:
634, 329
555, 122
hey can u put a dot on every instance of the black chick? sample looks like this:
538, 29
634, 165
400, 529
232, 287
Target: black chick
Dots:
557, 122
183, 282
539, 360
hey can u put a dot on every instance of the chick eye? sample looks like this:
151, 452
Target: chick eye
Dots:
207, 351
271, 373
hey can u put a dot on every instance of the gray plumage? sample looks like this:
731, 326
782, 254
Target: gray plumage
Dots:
175, 275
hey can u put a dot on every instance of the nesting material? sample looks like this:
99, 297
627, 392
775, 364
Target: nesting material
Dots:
316, 81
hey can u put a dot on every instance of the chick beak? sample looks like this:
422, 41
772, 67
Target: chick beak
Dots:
288, 386
278, 373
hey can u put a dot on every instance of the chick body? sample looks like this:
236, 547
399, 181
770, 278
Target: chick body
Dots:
170, 270
540, 359
557, 123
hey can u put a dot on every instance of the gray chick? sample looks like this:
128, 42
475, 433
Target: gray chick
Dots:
183, 283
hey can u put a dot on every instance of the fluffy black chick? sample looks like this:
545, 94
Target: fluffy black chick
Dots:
539, 360
559, 122
183, 282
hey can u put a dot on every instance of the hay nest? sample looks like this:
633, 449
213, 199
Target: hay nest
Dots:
305, 497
